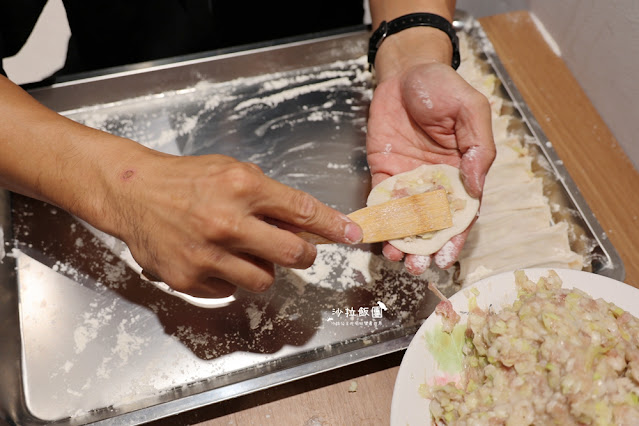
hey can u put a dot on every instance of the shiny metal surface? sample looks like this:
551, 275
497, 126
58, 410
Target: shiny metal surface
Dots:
86, 340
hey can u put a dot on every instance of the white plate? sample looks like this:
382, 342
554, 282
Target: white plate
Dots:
418, 366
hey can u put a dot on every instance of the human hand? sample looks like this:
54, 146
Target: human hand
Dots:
430, 115
204, 225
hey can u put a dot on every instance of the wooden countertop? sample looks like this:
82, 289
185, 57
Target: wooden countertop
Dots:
592, 156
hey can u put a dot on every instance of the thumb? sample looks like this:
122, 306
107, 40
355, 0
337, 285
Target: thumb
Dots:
474, 166
474, 135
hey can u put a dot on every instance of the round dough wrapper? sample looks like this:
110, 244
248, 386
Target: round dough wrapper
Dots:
422, 179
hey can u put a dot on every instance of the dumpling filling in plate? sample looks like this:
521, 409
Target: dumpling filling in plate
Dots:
534, 347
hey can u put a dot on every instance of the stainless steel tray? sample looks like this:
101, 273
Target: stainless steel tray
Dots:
85, 340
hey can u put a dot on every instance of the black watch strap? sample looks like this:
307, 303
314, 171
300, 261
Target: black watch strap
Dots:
387, 29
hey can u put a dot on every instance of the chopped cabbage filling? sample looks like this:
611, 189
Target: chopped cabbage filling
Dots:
555, 356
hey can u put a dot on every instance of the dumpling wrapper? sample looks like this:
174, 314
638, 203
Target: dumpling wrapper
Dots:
423, 179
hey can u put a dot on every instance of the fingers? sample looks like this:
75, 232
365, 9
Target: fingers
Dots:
305, 212
254, 275
378, 178
392, 253
417, 264
414, 263
474, 166
212, 288
276, 245
475, 141
217, 273
241, 248
262, 196
446, 256
291, 210
203, 230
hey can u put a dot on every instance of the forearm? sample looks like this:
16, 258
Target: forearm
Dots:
54, 159
412, 46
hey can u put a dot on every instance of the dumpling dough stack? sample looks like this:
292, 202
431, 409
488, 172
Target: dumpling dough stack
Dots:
515, 228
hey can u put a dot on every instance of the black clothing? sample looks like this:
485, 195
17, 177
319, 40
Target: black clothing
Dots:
106, 33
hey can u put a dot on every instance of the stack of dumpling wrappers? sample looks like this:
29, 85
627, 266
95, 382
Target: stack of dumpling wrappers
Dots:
515, 228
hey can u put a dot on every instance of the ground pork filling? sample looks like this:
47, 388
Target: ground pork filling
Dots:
555, 356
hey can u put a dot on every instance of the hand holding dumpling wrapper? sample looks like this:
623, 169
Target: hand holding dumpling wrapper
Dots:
425, 178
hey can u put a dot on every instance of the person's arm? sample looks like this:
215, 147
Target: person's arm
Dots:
415, 45
423, 112
201, 224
